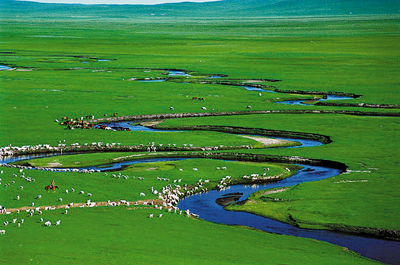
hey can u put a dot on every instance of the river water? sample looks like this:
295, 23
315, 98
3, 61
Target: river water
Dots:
4, 67
205, 205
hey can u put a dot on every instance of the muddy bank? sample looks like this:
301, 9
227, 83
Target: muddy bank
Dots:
366, 231
232, 113
360, 105
250, 131
344, 94
231, 156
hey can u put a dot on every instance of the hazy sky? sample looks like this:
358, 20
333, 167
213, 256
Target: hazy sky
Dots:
119, 2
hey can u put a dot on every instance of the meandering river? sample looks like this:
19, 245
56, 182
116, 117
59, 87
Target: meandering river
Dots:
208, 209
205, 205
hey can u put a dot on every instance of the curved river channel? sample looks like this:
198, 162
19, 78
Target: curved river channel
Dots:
206, 206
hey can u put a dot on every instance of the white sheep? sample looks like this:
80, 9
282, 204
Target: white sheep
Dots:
48, 223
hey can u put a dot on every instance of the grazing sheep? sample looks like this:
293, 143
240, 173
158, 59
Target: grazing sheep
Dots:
2, 232
60, 199
48, 223
151, 216
58, 222
160, 215
142, 194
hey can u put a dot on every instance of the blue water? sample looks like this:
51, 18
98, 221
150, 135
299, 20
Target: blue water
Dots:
204, 205
132, 127
177, 73
304, 143
153, 80
249, 88
4, 67
11, 159
301, 102
103, 60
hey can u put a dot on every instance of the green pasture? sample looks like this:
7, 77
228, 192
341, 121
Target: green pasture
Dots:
367, 145
106, 235
114, 186
57, 73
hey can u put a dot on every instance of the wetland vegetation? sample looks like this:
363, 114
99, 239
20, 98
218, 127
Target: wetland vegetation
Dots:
81, 61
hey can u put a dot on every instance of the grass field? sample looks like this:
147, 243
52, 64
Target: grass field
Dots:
79, 66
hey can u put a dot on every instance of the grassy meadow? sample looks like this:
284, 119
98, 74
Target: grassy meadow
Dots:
77, 66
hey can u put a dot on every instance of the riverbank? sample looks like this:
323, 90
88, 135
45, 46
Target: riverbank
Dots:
260, 203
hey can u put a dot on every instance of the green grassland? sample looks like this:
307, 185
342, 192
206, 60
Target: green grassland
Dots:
365, 144
126, 236
57, 73
105, 186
